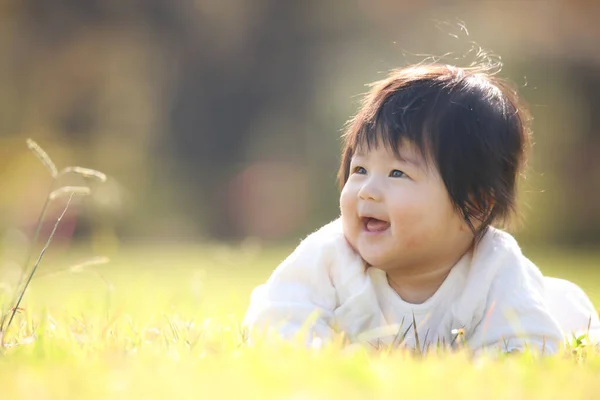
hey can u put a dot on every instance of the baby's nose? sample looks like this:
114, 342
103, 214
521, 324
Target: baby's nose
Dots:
370, 191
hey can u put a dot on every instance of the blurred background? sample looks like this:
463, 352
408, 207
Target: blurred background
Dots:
220, 120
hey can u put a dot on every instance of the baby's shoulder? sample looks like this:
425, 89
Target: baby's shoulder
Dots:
327, 243
497, 273
328, 233
329, 238
512, 270
328, 248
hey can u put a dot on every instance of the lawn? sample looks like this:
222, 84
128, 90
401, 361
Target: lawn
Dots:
163, 322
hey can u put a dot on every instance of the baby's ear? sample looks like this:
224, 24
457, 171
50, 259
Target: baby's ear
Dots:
465, 227
477, 213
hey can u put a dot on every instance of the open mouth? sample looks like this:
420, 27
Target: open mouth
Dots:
374, 225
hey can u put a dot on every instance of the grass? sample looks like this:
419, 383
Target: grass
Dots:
162, 322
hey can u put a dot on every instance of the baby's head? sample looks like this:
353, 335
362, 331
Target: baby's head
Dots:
430, 161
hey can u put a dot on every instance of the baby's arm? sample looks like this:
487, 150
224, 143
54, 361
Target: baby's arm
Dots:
517, 317
298, 295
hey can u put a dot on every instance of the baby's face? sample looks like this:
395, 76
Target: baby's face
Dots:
396, 212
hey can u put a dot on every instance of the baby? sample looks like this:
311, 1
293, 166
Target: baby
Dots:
429, 163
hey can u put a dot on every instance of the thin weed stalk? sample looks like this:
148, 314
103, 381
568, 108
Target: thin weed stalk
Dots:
37, 263
52, 195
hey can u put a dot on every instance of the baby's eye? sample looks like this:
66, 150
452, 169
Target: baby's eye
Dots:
397, 174
360, 170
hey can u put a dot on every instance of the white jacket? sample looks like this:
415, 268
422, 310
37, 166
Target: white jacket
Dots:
494, 296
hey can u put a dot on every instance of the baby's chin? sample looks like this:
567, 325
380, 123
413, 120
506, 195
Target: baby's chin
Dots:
374, 259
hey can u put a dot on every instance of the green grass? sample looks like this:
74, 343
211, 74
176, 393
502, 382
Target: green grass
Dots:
164, 324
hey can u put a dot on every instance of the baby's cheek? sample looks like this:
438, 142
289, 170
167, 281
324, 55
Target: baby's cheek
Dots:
415, 240
412, 226
347, 203
349, 223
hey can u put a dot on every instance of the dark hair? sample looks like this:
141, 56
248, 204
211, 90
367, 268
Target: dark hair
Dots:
469, 123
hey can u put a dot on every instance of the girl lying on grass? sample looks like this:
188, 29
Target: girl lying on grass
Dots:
429, 163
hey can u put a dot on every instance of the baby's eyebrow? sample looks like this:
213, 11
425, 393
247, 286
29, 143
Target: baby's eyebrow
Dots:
410, 160
405, 156
414, 161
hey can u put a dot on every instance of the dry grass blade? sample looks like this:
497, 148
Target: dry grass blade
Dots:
43, 156
77, 268
85, 172
53, 194
36, 265
89, 263
70, 190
